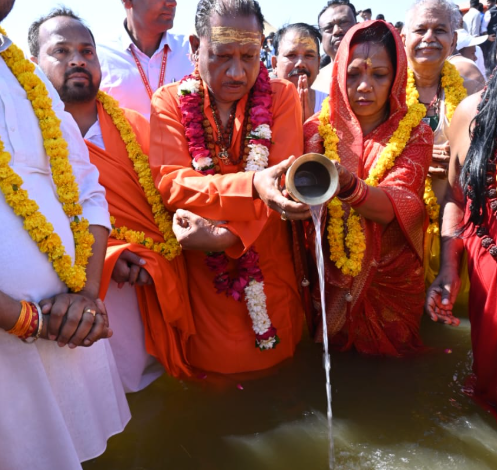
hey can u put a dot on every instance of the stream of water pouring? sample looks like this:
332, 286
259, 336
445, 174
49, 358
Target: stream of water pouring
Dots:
316, 217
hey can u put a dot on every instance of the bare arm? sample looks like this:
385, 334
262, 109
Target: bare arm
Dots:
442, 293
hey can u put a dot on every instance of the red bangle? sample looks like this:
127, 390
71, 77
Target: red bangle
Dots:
33, 325
359, 194
349, 188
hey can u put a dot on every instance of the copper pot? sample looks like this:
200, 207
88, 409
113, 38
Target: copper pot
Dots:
312, 179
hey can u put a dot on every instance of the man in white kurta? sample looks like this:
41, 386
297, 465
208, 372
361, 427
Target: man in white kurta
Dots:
58, 406
144, 56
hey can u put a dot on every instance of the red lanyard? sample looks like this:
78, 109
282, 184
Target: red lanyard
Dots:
142, 72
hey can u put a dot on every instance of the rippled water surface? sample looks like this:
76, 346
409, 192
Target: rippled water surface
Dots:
387, 414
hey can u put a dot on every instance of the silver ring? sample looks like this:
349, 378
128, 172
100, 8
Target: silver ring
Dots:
283, 216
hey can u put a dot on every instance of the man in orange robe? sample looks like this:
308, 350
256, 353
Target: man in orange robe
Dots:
136, 279
227, 51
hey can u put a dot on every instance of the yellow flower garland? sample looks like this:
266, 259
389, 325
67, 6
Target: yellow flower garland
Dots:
355, 241
38, 227
170, 247
453, 85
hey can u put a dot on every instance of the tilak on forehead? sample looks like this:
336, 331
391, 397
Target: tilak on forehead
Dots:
224, 35
306, 41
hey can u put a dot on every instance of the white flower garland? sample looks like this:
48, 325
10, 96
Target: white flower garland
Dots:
257, 160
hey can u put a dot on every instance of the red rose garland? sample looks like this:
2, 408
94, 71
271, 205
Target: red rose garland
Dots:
249, 280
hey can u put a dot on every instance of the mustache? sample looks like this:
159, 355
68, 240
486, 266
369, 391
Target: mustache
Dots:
299, 72
428, 45
234, 83
82, 70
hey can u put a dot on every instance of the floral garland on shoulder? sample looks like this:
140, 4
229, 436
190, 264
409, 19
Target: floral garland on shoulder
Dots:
169, 248
36, 224
453, 86
198, 131
355, 241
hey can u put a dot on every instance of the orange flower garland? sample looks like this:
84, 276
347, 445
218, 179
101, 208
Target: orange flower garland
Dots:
38, 227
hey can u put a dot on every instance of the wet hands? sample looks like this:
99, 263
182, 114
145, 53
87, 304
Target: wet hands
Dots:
74, 319
440, 161
196, 233
130, 268
441, 296
267, 187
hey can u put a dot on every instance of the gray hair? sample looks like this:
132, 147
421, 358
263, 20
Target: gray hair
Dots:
232, 8
450, 8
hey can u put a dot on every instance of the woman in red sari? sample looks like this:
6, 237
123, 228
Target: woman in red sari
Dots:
470, 224
374, 298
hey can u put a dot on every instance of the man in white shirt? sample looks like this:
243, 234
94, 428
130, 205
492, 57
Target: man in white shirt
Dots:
145, 55
334, 20
472, 19
64, 401
64, 48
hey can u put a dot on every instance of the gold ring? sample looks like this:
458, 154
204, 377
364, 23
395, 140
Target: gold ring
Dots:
283, 216
90, 310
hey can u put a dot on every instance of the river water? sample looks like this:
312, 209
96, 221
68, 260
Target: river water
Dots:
316, 218
387, 414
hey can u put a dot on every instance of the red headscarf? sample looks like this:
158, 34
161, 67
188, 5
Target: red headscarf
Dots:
388, 293
342, 117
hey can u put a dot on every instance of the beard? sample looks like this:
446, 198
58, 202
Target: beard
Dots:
5, 8
78, 92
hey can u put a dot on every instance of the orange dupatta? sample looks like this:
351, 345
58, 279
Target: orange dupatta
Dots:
164, 305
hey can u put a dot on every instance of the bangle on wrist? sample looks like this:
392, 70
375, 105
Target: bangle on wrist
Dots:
23, 322
38, 324
349, 188
359, 194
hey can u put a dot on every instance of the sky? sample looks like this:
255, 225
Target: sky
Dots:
105, 16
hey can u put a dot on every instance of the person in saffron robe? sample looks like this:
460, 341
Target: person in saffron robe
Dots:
469, 222
374, 288
205, 131
145, 290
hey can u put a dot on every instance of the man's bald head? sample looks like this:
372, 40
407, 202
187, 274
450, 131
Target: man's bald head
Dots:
67, 55
34, 29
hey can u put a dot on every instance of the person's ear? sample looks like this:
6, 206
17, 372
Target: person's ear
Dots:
194, 43
274, 62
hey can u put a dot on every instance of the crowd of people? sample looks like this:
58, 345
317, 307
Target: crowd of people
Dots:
146, 227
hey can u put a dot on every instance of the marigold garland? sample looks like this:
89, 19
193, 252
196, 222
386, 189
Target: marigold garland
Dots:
169, 248
38, 227
355, 241
453, 85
